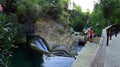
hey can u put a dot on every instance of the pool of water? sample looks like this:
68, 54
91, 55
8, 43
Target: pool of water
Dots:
25, 57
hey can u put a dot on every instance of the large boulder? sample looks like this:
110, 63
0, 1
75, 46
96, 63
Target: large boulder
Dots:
57, 36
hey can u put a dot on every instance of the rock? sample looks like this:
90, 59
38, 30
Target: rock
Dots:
56, 35
60, 53
73, 48
20, 40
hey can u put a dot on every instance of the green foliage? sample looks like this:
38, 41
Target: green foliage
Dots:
55, 8
9, 28
97, 21
27, 9
115, 18
77, 18
21, 8
105, 12
33, 9
108, 8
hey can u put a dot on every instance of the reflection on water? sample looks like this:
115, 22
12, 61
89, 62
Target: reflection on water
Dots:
25, 57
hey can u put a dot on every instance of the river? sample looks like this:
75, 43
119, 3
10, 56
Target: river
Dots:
25, 57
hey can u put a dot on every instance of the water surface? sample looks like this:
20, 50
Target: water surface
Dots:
26, 57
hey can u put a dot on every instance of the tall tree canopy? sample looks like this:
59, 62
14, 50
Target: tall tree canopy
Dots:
105, 12
77, 18
108, 8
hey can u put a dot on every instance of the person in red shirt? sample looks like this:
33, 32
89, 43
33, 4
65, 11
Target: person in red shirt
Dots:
90, 34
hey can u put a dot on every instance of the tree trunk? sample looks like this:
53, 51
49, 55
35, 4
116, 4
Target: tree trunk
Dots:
108, 21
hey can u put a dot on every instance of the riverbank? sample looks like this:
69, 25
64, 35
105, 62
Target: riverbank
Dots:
86, 55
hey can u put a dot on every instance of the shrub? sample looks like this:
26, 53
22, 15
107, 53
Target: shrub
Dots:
8, 30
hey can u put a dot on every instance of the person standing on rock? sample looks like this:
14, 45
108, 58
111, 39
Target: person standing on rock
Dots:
90, 34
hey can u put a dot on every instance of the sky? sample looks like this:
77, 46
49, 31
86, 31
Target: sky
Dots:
85, 4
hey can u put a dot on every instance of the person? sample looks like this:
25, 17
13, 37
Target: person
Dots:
90, 34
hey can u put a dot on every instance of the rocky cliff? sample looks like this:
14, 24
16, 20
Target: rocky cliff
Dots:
57, 36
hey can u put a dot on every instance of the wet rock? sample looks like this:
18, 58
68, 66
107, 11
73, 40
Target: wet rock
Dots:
60, 53
20, 40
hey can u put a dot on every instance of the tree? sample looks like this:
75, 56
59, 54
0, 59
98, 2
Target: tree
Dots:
97, 21
115, 17
108, 7
104, 12
77, 18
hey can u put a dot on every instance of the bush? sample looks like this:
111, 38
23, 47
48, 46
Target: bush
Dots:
9, 28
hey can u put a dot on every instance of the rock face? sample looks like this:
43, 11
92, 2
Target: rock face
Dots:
57, 36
